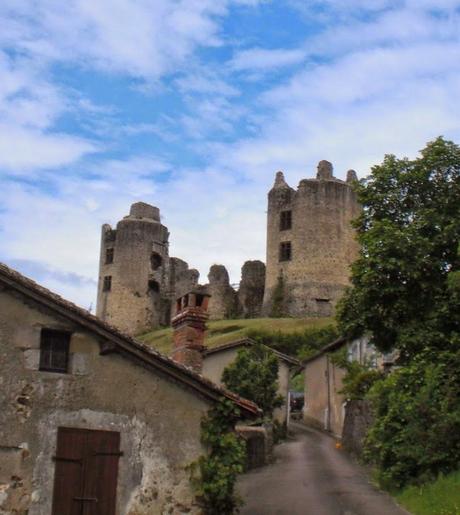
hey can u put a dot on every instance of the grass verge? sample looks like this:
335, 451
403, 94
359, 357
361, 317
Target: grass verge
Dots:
441, 497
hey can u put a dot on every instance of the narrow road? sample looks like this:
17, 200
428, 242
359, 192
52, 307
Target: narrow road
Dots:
311, 477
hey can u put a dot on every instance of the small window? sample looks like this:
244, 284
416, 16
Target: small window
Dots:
155, 261
154, 286
109, 256
285, 251
285, 220
54, 351
107, 283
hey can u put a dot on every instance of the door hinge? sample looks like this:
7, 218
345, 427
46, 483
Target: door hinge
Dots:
118, 453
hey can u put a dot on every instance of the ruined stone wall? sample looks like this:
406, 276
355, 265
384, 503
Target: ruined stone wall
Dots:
223, 301
251, 291
159, 422
358, 420
145, 281
322, 243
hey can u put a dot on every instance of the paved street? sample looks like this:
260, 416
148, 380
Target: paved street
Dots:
311, 477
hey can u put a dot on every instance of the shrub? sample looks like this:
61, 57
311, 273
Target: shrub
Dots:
416, 432
225, 460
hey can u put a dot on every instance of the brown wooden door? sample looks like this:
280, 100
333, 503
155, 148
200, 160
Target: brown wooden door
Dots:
85, 477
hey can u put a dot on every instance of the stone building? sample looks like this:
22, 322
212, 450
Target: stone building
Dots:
138, 281
89, 415
324, 405
310, 244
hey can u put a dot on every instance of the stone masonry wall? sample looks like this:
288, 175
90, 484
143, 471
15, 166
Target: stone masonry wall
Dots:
223, 301
251, 291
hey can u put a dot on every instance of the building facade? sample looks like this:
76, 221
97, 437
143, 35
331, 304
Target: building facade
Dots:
310, 244
89, 415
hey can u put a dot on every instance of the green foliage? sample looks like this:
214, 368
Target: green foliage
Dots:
301, 344
297, 383
358, 381
409, 233
278, 299
225, 460
416, 433
359, 378
254, 376
441, 497
279, 431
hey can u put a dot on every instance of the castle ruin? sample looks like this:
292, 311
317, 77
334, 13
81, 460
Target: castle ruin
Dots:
138, 281
310, 247
310, 244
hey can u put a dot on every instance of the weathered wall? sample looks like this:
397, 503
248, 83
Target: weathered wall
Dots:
324, 405
322, 242
223, 301
251, 291
215, 363
159, 421
358, 420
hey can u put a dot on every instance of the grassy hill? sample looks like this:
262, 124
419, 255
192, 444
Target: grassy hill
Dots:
224, 331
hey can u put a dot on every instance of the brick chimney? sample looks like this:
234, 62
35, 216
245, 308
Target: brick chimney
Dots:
189, 327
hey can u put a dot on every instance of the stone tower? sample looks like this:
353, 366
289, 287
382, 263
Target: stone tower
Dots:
310, 244
138, 281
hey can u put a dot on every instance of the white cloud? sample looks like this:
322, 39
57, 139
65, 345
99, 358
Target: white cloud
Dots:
23, 151
261, 59
140, 37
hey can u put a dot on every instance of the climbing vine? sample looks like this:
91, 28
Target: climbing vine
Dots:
226, 457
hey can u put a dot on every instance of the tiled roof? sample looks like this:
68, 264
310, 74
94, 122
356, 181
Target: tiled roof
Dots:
122, 343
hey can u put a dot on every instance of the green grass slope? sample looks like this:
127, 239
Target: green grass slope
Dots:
225, 331
442, 497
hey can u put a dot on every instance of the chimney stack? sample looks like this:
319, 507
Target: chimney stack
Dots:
189, 327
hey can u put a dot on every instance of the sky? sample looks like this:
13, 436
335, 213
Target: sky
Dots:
193, 105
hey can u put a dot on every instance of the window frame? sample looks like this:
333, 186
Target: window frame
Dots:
286, 220
50, 338
109, 255
285, 251
107, 283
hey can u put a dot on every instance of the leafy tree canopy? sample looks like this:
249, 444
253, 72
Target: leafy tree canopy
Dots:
254, 376
409, 232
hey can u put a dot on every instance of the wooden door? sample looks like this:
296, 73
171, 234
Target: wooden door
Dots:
85, 477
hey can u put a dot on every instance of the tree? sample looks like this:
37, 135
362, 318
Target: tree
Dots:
409, 232
254, 376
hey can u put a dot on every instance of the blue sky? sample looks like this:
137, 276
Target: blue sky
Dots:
193, 106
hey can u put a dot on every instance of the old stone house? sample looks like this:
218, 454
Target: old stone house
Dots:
91, 420
215, 360
324, 406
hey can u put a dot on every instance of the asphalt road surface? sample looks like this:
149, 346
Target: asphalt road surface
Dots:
311, 477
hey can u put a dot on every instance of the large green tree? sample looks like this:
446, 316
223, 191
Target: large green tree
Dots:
254, 376
409, 232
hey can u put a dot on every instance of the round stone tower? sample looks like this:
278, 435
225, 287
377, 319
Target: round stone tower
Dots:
133, 271
310, 244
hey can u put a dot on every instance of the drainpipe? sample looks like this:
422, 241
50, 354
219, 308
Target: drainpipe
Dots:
328, 413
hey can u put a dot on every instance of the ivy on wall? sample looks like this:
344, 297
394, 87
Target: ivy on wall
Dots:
226, 458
